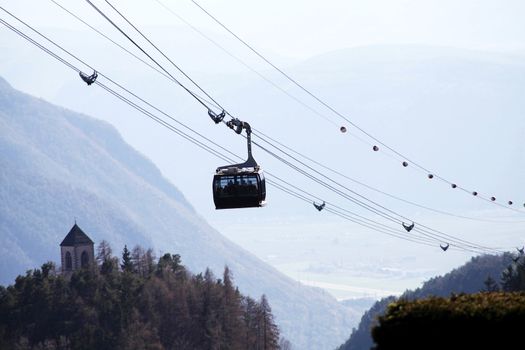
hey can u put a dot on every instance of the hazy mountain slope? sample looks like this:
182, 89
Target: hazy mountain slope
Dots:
468, 278
56, 165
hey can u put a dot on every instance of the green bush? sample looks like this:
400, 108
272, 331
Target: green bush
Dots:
466, 321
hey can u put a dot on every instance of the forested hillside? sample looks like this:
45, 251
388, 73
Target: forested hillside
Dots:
469, 278
56, 165
135, 303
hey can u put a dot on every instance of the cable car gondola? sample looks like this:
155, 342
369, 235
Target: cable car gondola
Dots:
239, 185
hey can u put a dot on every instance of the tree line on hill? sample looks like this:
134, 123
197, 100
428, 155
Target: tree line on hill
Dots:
137, 302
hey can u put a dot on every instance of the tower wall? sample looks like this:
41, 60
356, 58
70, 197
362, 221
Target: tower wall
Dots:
88, 248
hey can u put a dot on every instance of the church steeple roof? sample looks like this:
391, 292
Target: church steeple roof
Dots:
75, 237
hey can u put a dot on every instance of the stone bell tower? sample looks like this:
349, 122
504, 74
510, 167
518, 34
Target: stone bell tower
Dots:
76, 250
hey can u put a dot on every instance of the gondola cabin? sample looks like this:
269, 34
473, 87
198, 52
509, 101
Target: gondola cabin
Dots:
235, 187
239, 185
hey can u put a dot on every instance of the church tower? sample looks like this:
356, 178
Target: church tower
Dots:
76, 250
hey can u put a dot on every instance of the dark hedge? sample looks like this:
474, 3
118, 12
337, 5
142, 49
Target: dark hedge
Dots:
467, 321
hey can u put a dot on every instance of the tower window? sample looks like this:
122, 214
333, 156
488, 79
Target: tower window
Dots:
84, 259
69, 263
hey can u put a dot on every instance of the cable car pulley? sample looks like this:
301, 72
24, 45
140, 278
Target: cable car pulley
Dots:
88, 79
319, 206
217, 118
408, 227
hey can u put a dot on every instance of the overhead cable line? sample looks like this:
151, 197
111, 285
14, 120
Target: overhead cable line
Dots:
232, 116
418, 240
377, 212
191, 139
377, 226
101, 74
161, 72
222, 48
284, 91
111, 40
381, 211
142, 110
340, 209
106, 77
149, 41
406, 160
127, 36
148, 55
438, 211
246, 65
155, 46
363, 202
345, 216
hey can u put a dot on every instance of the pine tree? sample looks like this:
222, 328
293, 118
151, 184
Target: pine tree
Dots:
127, 265
210, 311
231, 314
267, 327
491, 285
513, 278
250, 323
170, 263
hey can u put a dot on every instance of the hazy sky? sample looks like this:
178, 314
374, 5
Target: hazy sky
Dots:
300, 28
295, 29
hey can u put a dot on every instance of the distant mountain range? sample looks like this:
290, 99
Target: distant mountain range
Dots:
57, 165
468, 278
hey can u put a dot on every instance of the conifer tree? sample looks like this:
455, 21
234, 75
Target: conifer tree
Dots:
491, 285
231, 313
268, 328
127, 265
210, 306
513, 278
250, 322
